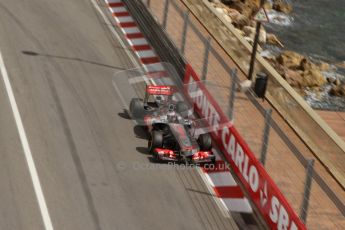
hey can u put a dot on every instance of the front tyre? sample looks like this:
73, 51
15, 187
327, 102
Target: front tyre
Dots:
205, 142
155, 141
136, 108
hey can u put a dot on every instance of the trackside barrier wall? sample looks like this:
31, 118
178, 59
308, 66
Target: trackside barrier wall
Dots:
264, 193
262, 190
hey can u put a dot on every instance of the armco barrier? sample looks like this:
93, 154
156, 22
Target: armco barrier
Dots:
262, 190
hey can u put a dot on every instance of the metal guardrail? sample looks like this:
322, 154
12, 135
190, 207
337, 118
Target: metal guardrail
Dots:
210, 60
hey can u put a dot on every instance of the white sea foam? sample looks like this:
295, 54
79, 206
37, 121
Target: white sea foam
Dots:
279, 18
322, 99
266, 54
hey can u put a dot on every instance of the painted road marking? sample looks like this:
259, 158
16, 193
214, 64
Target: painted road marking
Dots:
120, 9
238, 204
221, 179
130, 30
26, 149
138, 41
124, 19
146, 54
157, 67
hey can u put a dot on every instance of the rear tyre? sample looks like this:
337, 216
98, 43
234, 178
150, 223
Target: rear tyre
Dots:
136, 108
205, 142
155, 141
182, 109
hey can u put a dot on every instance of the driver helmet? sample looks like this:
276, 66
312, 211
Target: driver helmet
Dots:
172, 116
161, 99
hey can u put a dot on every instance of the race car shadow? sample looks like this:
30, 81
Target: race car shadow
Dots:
76, 59
124, 115
154, 160
140, 132
143, 150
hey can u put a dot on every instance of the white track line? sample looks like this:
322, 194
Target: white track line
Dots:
27, 151
119, 9
221, 205
222, 179
146, 53
130, 30
123, 19
138, 41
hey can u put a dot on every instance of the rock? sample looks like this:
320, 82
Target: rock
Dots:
245, 7
333, 80
323, 66
290, 59
240, 21
240, 32
340, 65
252, 23
337, 90
227, 18
307, 65
234, 15
215, 1
313, 78
282, 6
337, 82
232, 11
227, 2
250, 8
250, 32
293, 77
273, 40
250, 40
280, 68
262, 36
268, 6
221, 10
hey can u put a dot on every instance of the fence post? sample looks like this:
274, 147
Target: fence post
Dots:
233, 74
207, 44
265, 137
166, 9
184, 31
307, 189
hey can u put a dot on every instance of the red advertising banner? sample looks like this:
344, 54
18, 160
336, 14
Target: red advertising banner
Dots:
264, 193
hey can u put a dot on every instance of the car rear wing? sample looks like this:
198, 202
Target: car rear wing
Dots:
160, 90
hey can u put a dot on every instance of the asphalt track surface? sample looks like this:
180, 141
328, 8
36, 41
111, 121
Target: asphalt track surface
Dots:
91, 160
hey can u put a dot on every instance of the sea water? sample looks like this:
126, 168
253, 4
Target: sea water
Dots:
315, 28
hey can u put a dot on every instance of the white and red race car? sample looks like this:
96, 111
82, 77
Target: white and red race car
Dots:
172, 131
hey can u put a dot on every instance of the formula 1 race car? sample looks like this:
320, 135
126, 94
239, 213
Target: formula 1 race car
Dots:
172, 135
